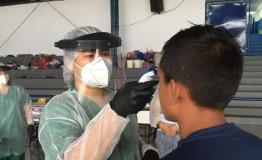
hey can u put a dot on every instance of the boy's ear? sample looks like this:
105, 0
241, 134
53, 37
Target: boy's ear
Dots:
176, 90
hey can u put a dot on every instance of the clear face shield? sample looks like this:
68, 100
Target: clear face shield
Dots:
105, 68
118, 71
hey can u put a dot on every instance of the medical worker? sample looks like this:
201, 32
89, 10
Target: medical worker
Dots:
15, 118
87, 121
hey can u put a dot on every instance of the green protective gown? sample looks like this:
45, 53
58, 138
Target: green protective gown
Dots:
13, 134
64, 120
13, 157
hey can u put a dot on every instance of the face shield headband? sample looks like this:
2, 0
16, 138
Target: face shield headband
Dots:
99, 40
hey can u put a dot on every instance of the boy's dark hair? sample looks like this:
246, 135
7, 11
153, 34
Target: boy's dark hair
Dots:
207, 61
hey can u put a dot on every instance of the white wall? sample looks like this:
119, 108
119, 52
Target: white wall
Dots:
153, 32
46, 26
258, 13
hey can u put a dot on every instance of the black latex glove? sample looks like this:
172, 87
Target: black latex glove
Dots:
132, 97
150, 155
30, 130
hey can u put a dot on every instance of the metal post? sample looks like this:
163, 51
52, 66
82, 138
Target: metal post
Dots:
114, 12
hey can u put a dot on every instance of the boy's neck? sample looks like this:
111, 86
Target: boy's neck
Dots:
198, 119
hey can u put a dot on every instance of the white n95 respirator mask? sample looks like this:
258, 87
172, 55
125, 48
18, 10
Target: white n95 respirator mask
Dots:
4, 79
96, 73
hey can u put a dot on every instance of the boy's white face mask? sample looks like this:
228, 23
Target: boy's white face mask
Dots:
4, 79
96, 73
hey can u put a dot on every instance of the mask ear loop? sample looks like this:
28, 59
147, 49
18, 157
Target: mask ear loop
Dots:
79, 67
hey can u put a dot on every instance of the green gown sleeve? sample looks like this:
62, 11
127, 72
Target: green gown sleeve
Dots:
58, 127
